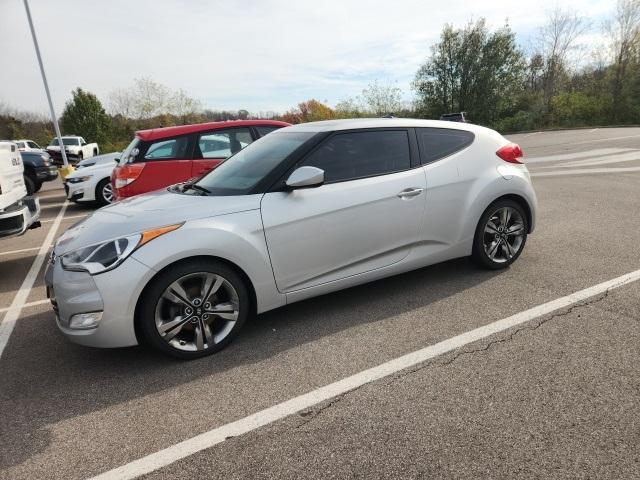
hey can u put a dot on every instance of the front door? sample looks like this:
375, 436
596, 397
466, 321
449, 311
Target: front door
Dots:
366, 216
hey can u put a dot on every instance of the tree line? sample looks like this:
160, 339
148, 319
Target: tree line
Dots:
559, 82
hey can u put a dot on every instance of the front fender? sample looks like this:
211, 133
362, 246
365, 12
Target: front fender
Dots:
237, 238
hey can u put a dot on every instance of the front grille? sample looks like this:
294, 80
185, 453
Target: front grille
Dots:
12, 224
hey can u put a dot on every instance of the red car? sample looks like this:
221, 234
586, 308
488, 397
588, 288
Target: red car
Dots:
161, 157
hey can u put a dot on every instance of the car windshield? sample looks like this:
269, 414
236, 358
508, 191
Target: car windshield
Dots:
241, 172
65, 141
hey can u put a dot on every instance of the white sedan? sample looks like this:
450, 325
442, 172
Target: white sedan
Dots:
92, 183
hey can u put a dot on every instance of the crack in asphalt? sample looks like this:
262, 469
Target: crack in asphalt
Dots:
310, 415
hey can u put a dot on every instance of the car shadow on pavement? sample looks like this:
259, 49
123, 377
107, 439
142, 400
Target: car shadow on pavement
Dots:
45, 379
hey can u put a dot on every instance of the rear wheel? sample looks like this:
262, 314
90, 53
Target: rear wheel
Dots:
194, 309
500, 235
104, 192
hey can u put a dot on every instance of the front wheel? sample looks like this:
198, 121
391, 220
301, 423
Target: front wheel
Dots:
500, 235
104, 192
194, 309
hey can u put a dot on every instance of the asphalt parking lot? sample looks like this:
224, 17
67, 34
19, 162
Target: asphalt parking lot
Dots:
555, 397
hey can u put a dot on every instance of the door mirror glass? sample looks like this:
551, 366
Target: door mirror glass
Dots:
305, 177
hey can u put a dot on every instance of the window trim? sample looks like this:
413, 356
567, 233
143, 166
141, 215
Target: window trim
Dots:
413, 162
423, 161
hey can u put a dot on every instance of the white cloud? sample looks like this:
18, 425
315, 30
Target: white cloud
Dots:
259, 55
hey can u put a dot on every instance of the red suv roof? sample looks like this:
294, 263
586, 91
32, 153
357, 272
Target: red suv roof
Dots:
155, 133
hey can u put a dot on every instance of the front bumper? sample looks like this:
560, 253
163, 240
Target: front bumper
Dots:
80, 192
22, 215
46, 174
114, 293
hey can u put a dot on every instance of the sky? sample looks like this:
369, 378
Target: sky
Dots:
263, 55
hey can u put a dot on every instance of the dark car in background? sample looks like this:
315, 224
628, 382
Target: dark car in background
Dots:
38, 168
455, 117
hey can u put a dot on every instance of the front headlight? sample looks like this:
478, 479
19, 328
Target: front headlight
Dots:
78, 179
104, 256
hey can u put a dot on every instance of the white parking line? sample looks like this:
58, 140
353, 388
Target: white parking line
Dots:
278, 412
583, 171
13, 312
66, 218
11, 252
26, 305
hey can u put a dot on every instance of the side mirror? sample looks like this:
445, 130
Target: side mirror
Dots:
116, 160
305, 177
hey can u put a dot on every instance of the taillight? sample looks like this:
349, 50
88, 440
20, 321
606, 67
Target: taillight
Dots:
511, 153
126, 174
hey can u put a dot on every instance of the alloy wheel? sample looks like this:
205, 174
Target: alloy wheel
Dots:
504, 234
197, 311
107, 192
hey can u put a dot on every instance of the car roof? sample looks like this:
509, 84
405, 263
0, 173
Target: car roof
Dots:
156, 133
356, 123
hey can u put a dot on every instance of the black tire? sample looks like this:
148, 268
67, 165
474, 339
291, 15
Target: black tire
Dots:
154, 291
479, 254
38, 186
100, 198
30, 184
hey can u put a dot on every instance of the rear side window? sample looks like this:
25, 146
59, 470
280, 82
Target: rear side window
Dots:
264, 129
352, 155
222, 143
167, 149
437, 143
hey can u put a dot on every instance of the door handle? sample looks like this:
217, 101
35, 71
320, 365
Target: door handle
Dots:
410, 192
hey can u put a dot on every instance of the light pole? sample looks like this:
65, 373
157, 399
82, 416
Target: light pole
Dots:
54, 119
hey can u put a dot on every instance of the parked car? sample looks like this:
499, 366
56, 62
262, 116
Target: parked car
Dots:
76, 148
38, 168
455, 117
18, 212
91, 184
306, 210
108, 158
28, 146
163, 156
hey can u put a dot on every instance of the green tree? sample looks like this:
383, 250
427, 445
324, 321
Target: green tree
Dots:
83, 115
472, 70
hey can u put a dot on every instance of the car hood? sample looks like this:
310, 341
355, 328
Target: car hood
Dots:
98, 169
151, 210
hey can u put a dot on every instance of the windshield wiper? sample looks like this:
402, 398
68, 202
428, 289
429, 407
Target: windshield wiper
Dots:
196, 187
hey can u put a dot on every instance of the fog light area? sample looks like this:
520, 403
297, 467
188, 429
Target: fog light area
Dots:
85, 321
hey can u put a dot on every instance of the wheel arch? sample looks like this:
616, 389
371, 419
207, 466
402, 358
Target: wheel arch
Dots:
245, 278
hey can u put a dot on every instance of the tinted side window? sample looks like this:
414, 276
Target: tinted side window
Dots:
167, 149
264, 129
222, 143
347, 156
436, 143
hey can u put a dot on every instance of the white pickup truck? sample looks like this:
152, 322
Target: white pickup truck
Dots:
17, 211
76, 147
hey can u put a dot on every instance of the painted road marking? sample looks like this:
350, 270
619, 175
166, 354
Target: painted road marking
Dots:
26, 305
208, 439
591, 154
590, 161
66, 218
582, 171
11, 252
13, 312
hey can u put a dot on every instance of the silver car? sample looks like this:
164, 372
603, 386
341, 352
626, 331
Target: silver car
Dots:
306, 210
